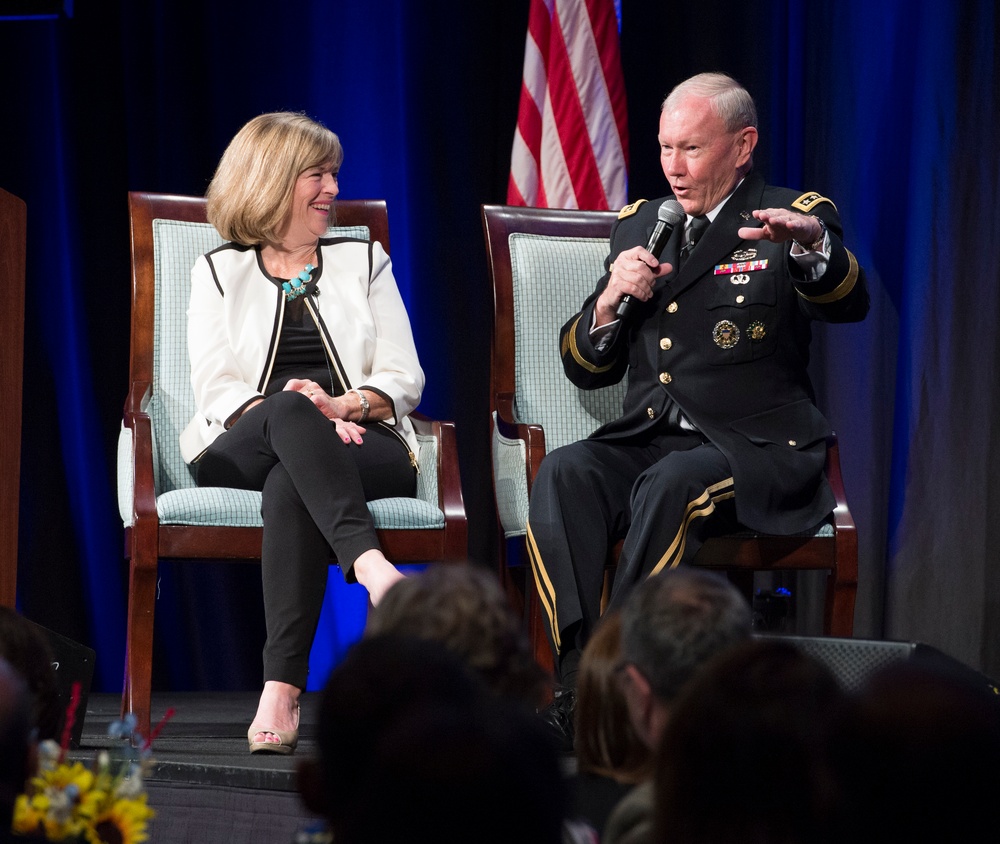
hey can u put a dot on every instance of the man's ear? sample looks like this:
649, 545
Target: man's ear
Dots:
747, 143
640, 700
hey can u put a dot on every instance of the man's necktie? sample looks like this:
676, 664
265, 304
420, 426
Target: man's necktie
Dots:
694, 232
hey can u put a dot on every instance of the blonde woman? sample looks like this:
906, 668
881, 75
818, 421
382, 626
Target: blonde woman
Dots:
304, 370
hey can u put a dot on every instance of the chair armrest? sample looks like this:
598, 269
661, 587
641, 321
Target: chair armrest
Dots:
450, 498
842, 518
533, 436
844, 529
135, 419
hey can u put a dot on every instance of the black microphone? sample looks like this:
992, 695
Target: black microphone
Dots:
670, 213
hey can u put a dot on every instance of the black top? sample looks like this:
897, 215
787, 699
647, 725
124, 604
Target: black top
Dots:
300, 352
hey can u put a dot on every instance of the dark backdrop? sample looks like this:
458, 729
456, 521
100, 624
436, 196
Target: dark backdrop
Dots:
890, 108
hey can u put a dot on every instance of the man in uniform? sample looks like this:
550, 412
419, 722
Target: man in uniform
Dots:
719, 417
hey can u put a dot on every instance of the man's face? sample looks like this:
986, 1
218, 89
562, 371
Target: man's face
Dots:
700, 158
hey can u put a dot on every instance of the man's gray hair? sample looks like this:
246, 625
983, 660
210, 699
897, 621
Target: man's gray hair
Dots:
674, 622
731, 101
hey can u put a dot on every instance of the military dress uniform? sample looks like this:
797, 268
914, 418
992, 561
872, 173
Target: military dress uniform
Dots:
719, 411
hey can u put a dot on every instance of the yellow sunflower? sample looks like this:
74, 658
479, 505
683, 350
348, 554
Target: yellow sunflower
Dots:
123, 822
28, 819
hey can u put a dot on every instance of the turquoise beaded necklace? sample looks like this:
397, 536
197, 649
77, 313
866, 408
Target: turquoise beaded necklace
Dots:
297, 286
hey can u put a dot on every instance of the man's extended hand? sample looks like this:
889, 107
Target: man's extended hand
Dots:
780, 225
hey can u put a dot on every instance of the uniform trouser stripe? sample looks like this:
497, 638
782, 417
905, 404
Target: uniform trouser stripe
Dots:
546, 592
700, 507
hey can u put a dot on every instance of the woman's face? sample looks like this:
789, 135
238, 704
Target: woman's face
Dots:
315, 190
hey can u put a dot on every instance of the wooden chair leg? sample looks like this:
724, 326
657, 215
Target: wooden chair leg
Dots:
137, 691
839, 611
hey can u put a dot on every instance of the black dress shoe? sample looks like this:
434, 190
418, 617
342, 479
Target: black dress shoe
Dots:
559, 717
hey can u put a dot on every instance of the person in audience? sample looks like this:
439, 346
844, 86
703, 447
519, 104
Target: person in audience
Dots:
24, 647
464, 608
743, 756
18, 754
672, 625
412, 746
300, 395
610, 756
915, 756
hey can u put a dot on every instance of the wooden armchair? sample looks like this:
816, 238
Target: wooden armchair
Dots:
166, 516
544, 263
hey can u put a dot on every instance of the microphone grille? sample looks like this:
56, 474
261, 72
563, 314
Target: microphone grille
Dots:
671, 212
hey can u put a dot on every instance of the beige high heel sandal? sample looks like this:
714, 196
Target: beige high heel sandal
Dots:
288, 740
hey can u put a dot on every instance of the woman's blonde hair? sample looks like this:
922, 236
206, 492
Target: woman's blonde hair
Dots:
251, 193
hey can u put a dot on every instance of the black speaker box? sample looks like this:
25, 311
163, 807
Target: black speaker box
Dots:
853, 661
74, 663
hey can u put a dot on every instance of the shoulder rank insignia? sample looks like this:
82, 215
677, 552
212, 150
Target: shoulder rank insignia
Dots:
629, 210
808, 201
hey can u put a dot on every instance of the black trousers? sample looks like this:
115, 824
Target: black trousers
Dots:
314, 491
657, 493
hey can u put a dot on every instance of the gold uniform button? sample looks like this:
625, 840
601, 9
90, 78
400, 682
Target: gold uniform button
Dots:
740, 299
665, 343
665, 378
792, 443
672, 308
650, 413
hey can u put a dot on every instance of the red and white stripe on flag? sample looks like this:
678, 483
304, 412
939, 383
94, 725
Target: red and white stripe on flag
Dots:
570, 147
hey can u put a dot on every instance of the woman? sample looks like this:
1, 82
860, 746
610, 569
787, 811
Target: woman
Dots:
304, 371
610, 756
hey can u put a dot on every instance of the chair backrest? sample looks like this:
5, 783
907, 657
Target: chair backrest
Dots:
168, 234
544, 264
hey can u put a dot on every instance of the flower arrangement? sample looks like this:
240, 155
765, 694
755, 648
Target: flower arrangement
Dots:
101, 804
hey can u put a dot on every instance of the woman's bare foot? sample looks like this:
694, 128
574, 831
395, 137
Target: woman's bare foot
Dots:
376, 574
278, 710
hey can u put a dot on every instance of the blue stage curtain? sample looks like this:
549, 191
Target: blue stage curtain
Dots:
888, 108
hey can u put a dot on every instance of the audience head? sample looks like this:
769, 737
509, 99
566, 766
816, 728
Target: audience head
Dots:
915, 754
743, 756
606, 742
250, 196
672, 624
17, 746
24, 647
413, 747
464, 608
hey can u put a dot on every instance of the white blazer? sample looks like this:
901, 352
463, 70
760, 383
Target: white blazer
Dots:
235, 318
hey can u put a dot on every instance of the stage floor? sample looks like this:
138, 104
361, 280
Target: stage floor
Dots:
204, 783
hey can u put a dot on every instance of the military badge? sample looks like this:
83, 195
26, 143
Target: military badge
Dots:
740, 278
629, 210
744, 254
756, 331
725, 334
808, 201
740, 267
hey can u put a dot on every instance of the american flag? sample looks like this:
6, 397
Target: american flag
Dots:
571, 144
